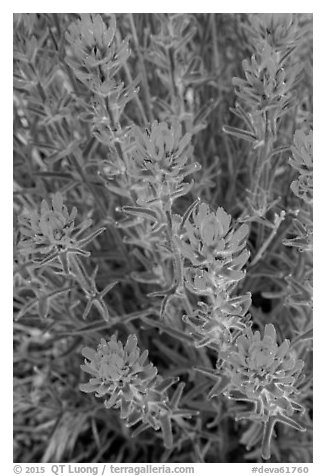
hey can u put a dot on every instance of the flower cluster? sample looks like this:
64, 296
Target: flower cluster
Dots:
96, 58
163, 156
151, 169
215, 250
279, 30
213, 255
118, 370
264, 373
92, 45
52, 232
123, 375
163, 152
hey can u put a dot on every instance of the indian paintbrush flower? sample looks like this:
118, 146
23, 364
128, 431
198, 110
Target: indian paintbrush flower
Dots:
121, 374
52, 232
265, 374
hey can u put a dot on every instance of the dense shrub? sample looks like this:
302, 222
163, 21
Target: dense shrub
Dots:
163, 237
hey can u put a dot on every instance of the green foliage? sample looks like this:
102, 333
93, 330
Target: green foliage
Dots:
163, 190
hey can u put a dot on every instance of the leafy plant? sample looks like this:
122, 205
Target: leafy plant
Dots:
163, 231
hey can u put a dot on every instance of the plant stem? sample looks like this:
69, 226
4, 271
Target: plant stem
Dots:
142, 67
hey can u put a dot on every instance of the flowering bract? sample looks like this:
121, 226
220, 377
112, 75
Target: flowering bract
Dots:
117, 369
209, 237
214, 249
96, 58
93, 45
52, 232
264, 373
163, 156
122, 374
277, 29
